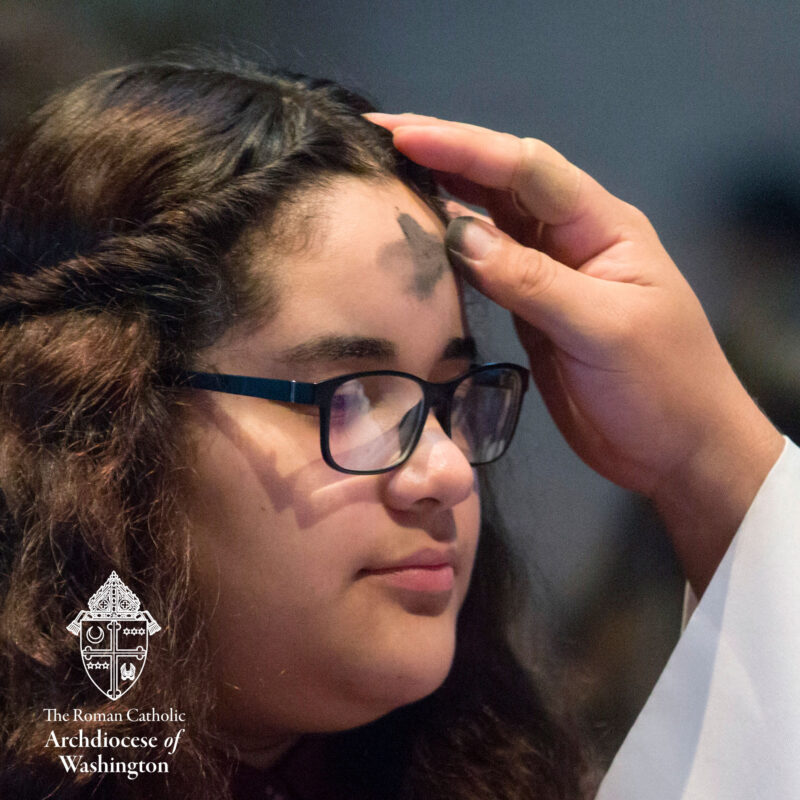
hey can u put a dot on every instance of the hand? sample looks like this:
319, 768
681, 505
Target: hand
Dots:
619, 345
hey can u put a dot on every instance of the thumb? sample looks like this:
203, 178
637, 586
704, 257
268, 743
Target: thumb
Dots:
562, 303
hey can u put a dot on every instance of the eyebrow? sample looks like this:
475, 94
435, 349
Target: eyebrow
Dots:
346, 348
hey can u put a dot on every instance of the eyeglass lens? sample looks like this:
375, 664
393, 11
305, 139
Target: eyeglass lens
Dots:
374, 419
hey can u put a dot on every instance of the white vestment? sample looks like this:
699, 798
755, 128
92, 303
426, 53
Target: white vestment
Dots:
723, 721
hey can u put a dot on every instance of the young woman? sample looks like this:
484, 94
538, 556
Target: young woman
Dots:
335, 617
235, 370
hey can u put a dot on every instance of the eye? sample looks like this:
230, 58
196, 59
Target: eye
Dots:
349, 402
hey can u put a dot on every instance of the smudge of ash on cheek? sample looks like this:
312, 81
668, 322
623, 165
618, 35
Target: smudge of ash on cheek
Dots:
428, 256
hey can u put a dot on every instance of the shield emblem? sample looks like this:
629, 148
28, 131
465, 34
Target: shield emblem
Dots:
114, 637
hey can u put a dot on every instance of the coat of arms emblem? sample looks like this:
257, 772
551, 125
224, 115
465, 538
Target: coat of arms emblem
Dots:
114, 636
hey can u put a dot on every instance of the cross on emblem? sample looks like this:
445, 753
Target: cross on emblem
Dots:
113, 646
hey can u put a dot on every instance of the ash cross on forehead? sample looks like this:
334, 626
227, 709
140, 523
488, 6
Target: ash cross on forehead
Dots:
427, 256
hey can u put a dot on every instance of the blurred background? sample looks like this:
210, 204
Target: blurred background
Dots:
688, 110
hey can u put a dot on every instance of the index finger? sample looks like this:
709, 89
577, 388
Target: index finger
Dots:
586, 217
489, 158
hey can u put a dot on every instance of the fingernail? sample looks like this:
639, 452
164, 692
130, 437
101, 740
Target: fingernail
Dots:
470, 238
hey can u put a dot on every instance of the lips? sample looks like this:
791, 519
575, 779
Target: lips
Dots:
427, 570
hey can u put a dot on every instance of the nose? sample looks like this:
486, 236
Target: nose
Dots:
437, 473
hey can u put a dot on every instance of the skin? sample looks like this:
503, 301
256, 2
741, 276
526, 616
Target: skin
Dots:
304, 641
619, 345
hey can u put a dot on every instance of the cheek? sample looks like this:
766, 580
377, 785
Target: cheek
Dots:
271, 566
253, 498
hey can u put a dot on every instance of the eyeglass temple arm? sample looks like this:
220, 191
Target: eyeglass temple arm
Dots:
266, 388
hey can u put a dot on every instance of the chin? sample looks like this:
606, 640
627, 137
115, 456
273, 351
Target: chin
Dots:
324, 693
409, 680
362, 698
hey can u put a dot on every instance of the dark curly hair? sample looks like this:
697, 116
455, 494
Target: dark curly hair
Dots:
124, 205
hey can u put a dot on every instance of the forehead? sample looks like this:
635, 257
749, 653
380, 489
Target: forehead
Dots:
370, 230
371, 262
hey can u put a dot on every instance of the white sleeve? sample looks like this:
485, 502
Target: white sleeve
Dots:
723, 722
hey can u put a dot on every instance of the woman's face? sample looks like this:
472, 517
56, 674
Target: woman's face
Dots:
309, 630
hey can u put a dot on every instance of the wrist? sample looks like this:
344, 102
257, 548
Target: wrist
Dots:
703, 501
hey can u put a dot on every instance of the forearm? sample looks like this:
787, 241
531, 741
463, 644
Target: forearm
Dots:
704, 501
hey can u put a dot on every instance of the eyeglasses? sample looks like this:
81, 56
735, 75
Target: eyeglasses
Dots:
370, 422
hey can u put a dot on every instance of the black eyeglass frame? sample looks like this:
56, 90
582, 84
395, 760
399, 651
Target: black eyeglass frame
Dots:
436, 396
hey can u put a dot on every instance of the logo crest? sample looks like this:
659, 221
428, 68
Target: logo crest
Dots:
114, 635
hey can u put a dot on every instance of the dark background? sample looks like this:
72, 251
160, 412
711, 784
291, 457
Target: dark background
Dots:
688, 110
